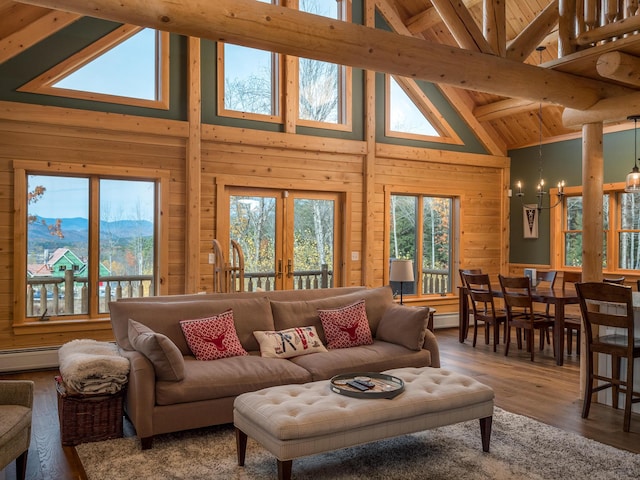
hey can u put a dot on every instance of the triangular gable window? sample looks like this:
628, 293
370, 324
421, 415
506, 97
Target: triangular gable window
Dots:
410, 114
127, 66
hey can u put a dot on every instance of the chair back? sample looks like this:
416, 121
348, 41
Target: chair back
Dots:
546, 277
479, 288
516, 292
465, 271
606, 305
615, 280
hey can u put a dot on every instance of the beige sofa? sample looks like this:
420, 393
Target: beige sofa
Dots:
169, 390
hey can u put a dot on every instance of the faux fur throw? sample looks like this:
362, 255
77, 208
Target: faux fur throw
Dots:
89, 366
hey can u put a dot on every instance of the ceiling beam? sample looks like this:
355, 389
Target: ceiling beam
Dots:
284, 30
533, 34
621, 67
462, 25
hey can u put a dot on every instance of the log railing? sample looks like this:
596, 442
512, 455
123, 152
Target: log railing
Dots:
591, 22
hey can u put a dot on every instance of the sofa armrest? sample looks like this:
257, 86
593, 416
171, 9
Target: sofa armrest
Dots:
431, 344
16, 392
141, 392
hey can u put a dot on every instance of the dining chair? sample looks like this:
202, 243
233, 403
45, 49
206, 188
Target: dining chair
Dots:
606, 306
572, 322
615, 280
516, 292
462, 272
639, 285
484, 309
16, 403
546, 280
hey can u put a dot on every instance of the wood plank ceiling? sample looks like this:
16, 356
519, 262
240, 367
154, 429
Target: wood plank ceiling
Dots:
516, 125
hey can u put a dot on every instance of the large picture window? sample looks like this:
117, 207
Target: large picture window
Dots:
90, 239
420, 229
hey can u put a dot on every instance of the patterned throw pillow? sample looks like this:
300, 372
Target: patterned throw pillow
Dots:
214, 337
346, 326
289, 343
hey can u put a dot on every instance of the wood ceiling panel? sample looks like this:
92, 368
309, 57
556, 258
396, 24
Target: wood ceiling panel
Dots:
16, 16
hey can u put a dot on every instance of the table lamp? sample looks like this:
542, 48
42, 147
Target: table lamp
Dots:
401, 271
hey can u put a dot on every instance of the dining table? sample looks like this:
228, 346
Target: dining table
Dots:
559, 297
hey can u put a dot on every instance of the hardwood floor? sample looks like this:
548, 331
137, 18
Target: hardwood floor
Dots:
540, 390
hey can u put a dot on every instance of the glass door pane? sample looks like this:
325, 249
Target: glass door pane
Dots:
313, 244
252, 223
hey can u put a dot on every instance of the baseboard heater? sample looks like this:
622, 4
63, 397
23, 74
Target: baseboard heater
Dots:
28, 359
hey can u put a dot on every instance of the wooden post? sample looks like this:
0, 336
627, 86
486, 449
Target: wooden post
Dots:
494, 25
193, 171
566, 27
592, 223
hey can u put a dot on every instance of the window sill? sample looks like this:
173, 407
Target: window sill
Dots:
49, 326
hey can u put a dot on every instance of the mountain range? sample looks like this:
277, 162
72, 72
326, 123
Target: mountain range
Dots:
77, 230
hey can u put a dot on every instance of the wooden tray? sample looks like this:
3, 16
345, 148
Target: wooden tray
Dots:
386, 386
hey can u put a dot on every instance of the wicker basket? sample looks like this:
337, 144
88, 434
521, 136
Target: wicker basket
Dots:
88, 418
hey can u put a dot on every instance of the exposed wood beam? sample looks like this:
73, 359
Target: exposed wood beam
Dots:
607, 110
494, 25
503, 108
621, 67
34, 32
462, 25
430, 17
280, 29
534, 33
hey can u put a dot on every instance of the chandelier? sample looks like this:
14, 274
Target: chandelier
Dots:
632, 184
541, 192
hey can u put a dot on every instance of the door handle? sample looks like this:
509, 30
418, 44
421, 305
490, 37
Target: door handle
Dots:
279, 273
289, 268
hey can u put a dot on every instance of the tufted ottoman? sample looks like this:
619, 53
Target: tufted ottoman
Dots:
292, 421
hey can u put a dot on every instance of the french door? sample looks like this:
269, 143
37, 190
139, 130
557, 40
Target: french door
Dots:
290, 239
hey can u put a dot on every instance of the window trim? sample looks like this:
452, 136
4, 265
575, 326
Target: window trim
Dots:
454, 247
43, 84
557, 230
277, 61
22, 168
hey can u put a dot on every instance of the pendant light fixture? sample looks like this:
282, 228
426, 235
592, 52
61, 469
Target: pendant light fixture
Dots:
541, 192
633, 178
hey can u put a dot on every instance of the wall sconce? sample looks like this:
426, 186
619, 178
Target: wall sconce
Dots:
401, 271
633, 178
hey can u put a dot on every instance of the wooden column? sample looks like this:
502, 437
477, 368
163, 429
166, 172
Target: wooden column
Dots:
369, 164
566, 27
592, 221
494, 25
193, 176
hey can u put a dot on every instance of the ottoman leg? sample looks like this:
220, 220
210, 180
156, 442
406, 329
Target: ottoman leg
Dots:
485, 432
284, 469
241, 446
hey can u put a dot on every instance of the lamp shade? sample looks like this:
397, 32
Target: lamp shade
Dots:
401, 271
633, 181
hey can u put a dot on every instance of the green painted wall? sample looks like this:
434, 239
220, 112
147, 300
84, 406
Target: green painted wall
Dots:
562, 160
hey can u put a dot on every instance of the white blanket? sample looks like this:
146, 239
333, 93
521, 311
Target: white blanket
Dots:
89, 366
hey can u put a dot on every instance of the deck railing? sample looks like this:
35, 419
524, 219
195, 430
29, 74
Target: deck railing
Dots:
49, 296
302, 280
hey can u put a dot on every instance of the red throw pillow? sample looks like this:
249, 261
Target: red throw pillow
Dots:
214, 337
346, 326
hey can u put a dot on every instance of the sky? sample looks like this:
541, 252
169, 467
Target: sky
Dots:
67, 197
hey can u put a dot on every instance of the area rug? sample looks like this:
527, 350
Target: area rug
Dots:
521, 448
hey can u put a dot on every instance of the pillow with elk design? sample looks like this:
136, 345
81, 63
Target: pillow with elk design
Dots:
346, 326
213, 337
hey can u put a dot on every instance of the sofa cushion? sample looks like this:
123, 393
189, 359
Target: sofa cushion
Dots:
230, 377
289, 343
213, 337
249, 314
346, 326
405, 326
303, 313
366, 358
167, 359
